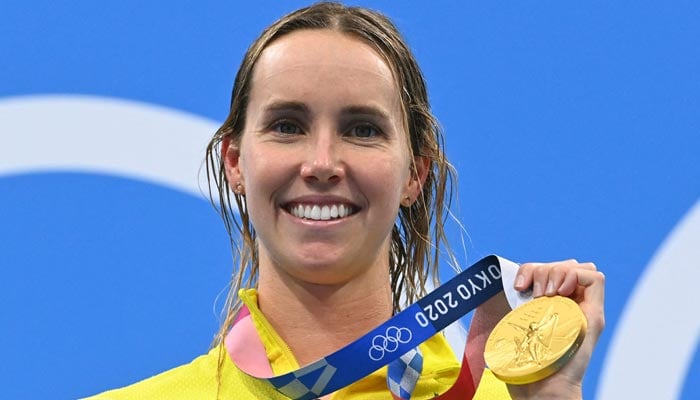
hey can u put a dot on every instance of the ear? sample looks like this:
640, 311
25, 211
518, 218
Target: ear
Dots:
417, 180
232, 156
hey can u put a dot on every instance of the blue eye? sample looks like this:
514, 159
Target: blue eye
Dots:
286, 128
364, 131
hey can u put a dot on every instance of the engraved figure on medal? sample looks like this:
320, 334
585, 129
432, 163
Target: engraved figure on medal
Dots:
535, 340
534, 345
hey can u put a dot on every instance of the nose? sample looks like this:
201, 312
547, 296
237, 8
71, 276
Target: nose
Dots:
323, 161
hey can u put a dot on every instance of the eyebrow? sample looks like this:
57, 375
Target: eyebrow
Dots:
283, 105
366, 110
300, 107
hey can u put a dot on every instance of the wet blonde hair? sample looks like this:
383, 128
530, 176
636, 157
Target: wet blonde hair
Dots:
418, 234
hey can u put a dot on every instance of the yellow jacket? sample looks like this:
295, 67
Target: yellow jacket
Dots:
199, 380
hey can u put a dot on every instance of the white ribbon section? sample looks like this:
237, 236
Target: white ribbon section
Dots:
515, 298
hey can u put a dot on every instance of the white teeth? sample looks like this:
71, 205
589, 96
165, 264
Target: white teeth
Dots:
321, 213
325, 213
316, 212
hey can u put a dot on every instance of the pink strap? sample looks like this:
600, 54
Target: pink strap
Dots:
485, 318
245, 347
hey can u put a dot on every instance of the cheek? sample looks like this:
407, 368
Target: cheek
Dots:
264, 172
384, 179
254, 164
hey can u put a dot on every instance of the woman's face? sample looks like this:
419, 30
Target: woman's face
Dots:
323, 157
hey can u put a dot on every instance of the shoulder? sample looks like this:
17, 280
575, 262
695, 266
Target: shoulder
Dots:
211, 376
194, 380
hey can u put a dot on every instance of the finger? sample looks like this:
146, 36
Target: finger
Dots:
592, 281
588, 290
523, 281
540, 277
546, 278
557, 273
593, 296
587, 265
569, 284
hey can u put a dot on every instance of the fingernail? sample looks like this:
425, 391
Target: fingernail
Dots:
550, 288
520, 281
537, 289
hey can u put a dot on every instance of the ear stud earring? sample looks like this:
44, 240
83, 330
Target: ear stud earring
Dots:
239, 189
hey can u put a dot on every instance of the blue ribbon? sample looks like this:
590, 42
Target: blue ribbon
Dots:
396, 337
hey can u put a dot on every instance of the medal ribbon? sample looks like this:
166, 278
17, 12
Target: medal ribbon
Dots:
399, 336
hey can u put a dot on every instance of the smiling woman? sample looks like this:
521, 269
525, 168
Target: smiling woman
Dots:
339, 180
310, 155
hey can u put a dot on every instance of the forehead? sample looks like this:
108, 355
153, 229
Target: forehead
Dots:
327, 58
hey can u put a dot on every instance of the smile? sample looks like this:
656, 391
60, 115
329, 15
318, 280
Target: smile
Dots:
321, 212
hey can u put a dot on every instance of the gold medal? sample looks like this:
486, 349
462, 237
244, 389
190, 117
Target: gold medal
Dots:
535, 340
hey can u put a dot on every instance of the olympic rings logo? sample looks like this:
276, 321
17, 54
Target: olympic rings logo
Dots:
389, 342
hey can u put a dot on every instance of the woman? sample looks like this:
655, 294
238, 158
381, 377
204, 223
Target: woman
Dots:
338, 174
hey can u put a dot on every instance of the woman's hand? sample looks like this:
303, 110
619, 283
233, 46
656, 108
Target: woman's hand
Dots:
584, 284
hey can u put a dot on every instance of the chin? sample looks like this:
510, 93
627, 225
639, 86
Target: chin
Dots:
327, 274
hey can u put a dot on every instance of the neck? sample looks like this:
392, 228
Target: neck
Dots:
316, 320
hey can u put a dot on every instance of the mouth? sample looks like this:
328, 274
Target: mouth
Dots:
321, 212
